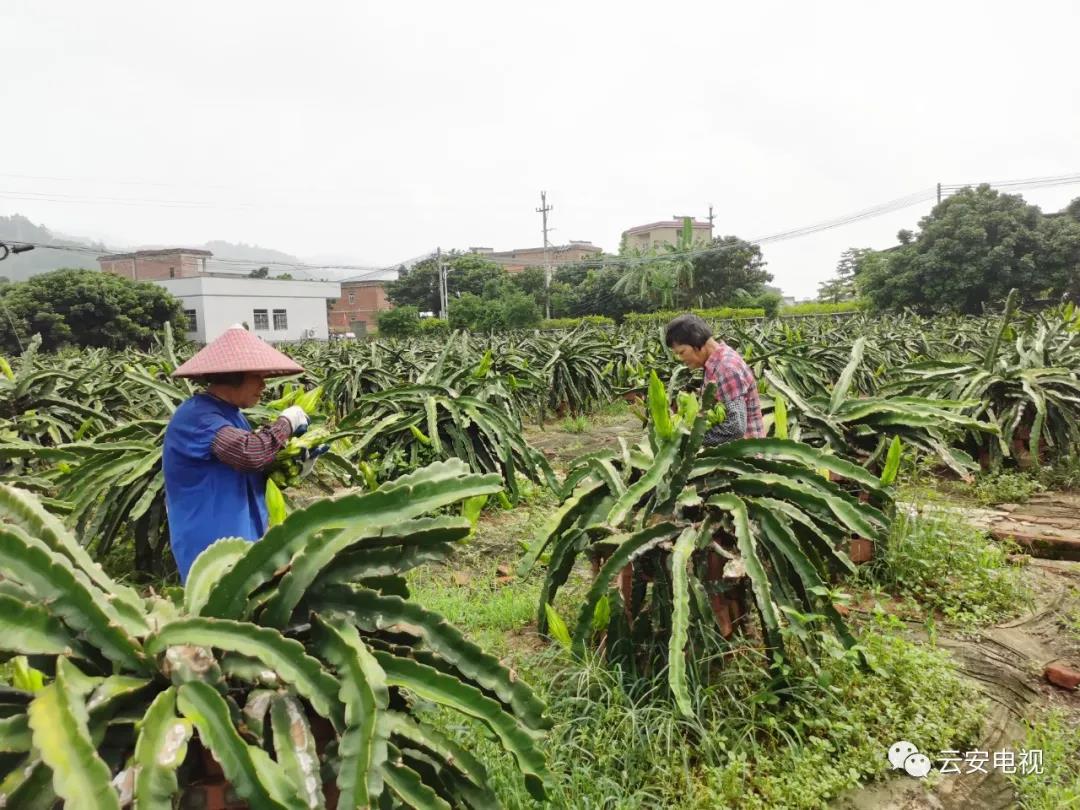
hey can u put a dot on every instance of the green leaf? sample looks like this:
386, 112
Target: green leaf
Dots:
58, 721
557, 627
780, 420
159, 750
363, 690
662, 425
625, 553
252, 773
680, 619
31, 630
375, 613
209, 567
471, 509
666, 456
602, 614
409, 787
52, 580
321, 554
859, 518
430, 488
892, 462
428, 683
473, 784
755, 570
281, 655
581, 500
25, 511
843, 385
294, 747
15, 734
24, 676
275, 504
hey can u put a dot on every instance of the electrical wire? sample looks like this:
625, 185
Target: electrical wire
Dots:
881, 209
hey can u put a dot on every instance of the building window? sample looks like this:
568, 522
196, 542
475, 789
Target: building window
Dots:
172, 272
192, 320
352, 297
262, 321
281, 320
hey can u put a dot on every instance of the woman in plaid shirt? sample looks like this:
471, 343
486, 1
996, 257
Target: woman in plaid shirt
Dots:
692, 341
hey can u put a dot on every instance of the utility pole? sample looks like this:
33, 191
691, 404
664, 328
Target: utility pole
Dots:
543, 211
444, 304
711, 218
939, 193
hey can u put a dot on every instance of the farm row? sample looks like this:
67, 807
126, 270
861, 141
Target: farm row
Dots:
305, 648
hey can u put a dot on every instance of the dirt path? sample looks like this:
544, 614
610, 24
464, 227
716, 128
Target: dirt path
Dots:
561, 446
1048, 525
1006, 664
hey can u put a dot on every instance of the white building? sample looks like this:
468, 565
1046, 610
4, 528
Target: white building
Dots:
275, 310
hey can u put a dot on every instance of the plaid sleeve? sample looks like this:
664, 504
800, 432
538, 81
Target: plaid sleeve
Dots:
732, 428
251, 450
730, 384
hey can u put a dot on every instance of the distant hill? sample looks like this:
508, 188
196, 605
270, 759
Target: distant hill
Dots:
240, 257
18, 228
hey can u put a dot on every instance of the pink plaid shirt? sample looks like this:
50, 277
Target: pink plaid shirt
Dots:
734, 380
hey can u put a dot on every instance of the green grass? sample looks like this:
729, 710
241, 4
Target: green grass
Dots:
950, 568
1058, 786
1064, 473
1004, 486
494, 613
575, 424
752, 743
1069, 618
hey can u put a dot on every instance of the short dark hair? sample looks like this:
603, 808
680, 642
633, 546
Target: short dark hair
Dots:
689, 330
230, 378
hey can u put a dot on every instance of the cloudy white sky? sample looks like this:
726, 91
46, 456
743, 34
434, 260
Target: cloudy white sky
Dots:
378, 131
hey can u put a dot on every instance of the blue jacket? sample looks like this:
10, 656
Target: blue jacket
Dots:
205, 498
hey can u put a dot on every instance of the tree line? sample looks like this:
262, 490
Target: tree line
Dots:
969, 251
483, 295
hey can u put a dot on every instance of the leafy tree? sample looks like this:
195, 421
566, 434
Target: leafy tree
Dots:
842, 286
577, 291
971, 250
466, 273
87, 308
284, 277
511, 310
262, 272
519, 311
469, 311
1072, 210
416, 287
1059, 254
735, 268
399, 322
469, 273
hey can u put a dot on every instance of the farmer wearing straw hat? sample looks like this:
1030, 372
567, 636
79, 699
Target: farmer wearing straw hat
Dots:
213, 462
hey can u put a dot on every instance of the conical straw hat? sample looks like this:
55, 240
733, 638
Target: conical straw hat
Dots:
237, 350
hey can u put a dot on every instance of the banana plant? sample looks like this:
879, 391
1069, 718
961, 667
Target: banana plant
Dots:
693, 525
298, 663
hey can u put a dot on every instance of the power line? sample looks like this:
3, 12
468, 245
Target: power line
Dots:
881, 209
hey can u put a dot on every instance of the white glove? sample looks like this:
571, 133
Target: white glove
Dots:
296, 416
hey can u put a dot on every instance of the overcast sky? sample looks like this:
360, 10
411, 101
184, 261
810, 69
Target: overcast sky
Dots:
378, 131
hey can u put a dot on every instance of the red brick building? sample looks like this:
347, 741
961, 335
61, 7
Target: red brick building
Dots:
156, 265
363, 297
517, 260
